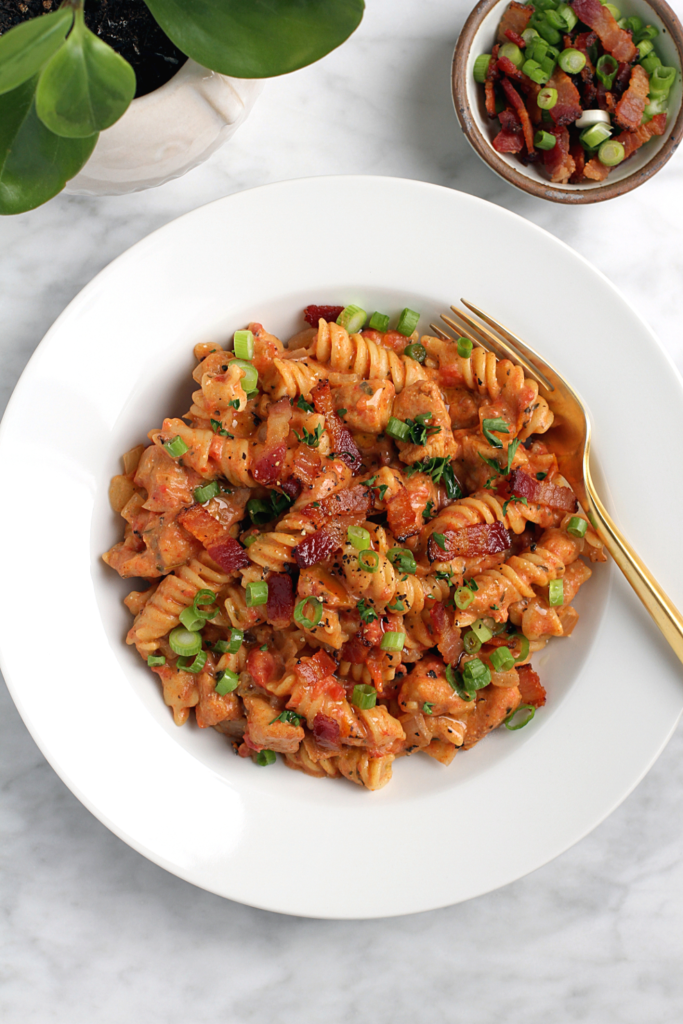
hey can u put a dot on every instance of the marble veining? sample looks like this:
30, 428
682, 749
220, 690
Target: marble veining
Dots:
91, 932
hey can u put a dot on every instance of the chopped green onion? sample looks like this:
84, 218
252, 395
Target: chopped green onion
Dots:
481, 630
379, 322
614, 11
226, 681
455, 681
649, 32
463, 597
300, 616
577, 526
547, 98
606, 69
661, 80
556, 592
533, 70
251, 539
555, 20
359, 537
204, 597
471, 642
156, 659
369, 560
249, 381
235, 642
507, 722
513, 53
266, 757
487, 425
634, 23
257, 593
206, 492
567, 13
393, 641
546, 30
476, 675
176, 447
195, 666
427, 708
502, 659
481, 66
572, 61
184, 641
403, 559
544, 140
364, 696
352, 318
415, 351
651, 62
244, 344
595, 136
523, 646
287, 718
407, 322
191, 620
645, 46
611, 153
464, 348
397, 429
529, 34
221, 646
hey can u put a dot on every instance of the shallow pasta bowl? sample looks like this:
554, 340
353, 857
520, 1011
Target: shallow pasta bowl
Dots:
268, 836
478, 36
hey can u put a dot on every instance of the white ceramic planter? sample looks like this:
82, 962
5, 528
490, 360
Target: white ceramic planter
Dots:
167, 132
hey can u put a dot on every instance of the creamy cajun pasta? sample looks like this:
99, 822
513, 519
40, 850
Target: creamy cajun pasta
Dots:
351, 545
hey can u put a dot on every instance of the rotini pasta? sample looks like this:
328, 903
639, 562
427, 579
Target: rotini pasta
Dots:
350, 553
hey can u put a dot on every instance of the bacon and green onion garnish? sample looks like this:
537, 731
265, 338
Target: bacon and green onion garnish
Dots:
576, 87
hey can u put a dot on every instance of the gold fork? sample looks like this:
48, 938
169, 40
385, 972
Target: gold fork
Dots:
569, 437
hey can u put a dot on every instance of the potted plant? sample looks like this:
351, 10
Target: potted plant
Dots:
62, 84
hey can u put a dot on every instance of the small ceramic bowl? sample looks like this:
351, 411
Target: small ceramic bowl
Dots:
478, 36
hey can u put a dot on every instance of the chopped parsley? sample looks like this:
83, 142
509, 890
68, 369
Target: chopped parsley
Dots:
427, 511
440, 539
383, 488
370, 482
541, 476
512, 448
398, 607
442, 575
263, 510
418, 431
218, 428
522, 501
304, 405
311, 439
441, 471
288, 717
366, 613
427, 708
342, 412
235, 403
496, 424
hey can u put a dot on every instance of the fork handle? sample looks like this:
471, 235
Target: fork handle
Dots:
659, 605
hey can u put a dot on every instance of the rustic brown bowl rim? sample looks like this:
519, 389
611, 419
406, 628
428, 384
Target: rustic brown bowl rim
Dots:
554, 193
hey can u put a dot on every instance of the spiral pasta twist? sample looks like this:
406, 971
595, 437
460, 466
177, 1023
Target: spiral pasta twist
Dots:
273, 551
358, 766
364, 357
413, 591
161, 613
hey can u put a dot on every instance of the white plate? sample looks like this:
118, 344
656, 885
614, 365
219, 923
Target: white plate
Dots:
119, 358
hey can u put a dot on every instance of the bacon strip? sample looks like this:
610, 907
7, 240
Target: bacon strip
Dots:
542, 492
315, 669
558, 161
632, 141
630, 107
268, 466
596, 171
318, 546
615, 40
343, 443
229, 554
214, 537
280, 606
470, 542
492, 75
517, 103
448, 640
351, 501
314, 313
515, 19
515, 37
578, 155
530, 687
568, 106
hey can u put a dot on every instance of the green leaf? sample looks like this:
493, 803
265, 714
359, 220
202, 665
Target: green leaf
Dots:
35, 164
86, 86
257, 38
26, 47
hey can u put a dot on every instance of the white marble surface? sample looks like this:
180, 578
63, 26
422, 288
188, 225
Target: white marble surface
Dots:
94, 934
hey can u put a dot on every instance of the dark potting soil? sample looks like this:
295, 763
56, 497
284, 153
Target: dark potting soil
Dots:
128, 27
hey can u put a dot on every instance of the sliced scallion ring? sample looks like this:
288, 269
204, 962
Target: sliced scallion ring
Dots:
508, 722
226, 681
206, 492
471, 642
577, 526
463, 598
352, 319
249, 381
481, 631
502, 659
257, 593
244, 345
379, 322
204, 597
464, 348
359, 537
184, 641
393, 641
407, 322
235, 641
364, 696
156, 659
187, 665
415, 351
191, 621
397, 429
266, 757
369, 560
176, 447
315, 612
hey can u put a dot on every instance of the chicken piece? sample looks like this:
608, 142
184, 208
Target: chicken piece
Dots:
366, 405
494, 704
423, 402
168, 484
427, 684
